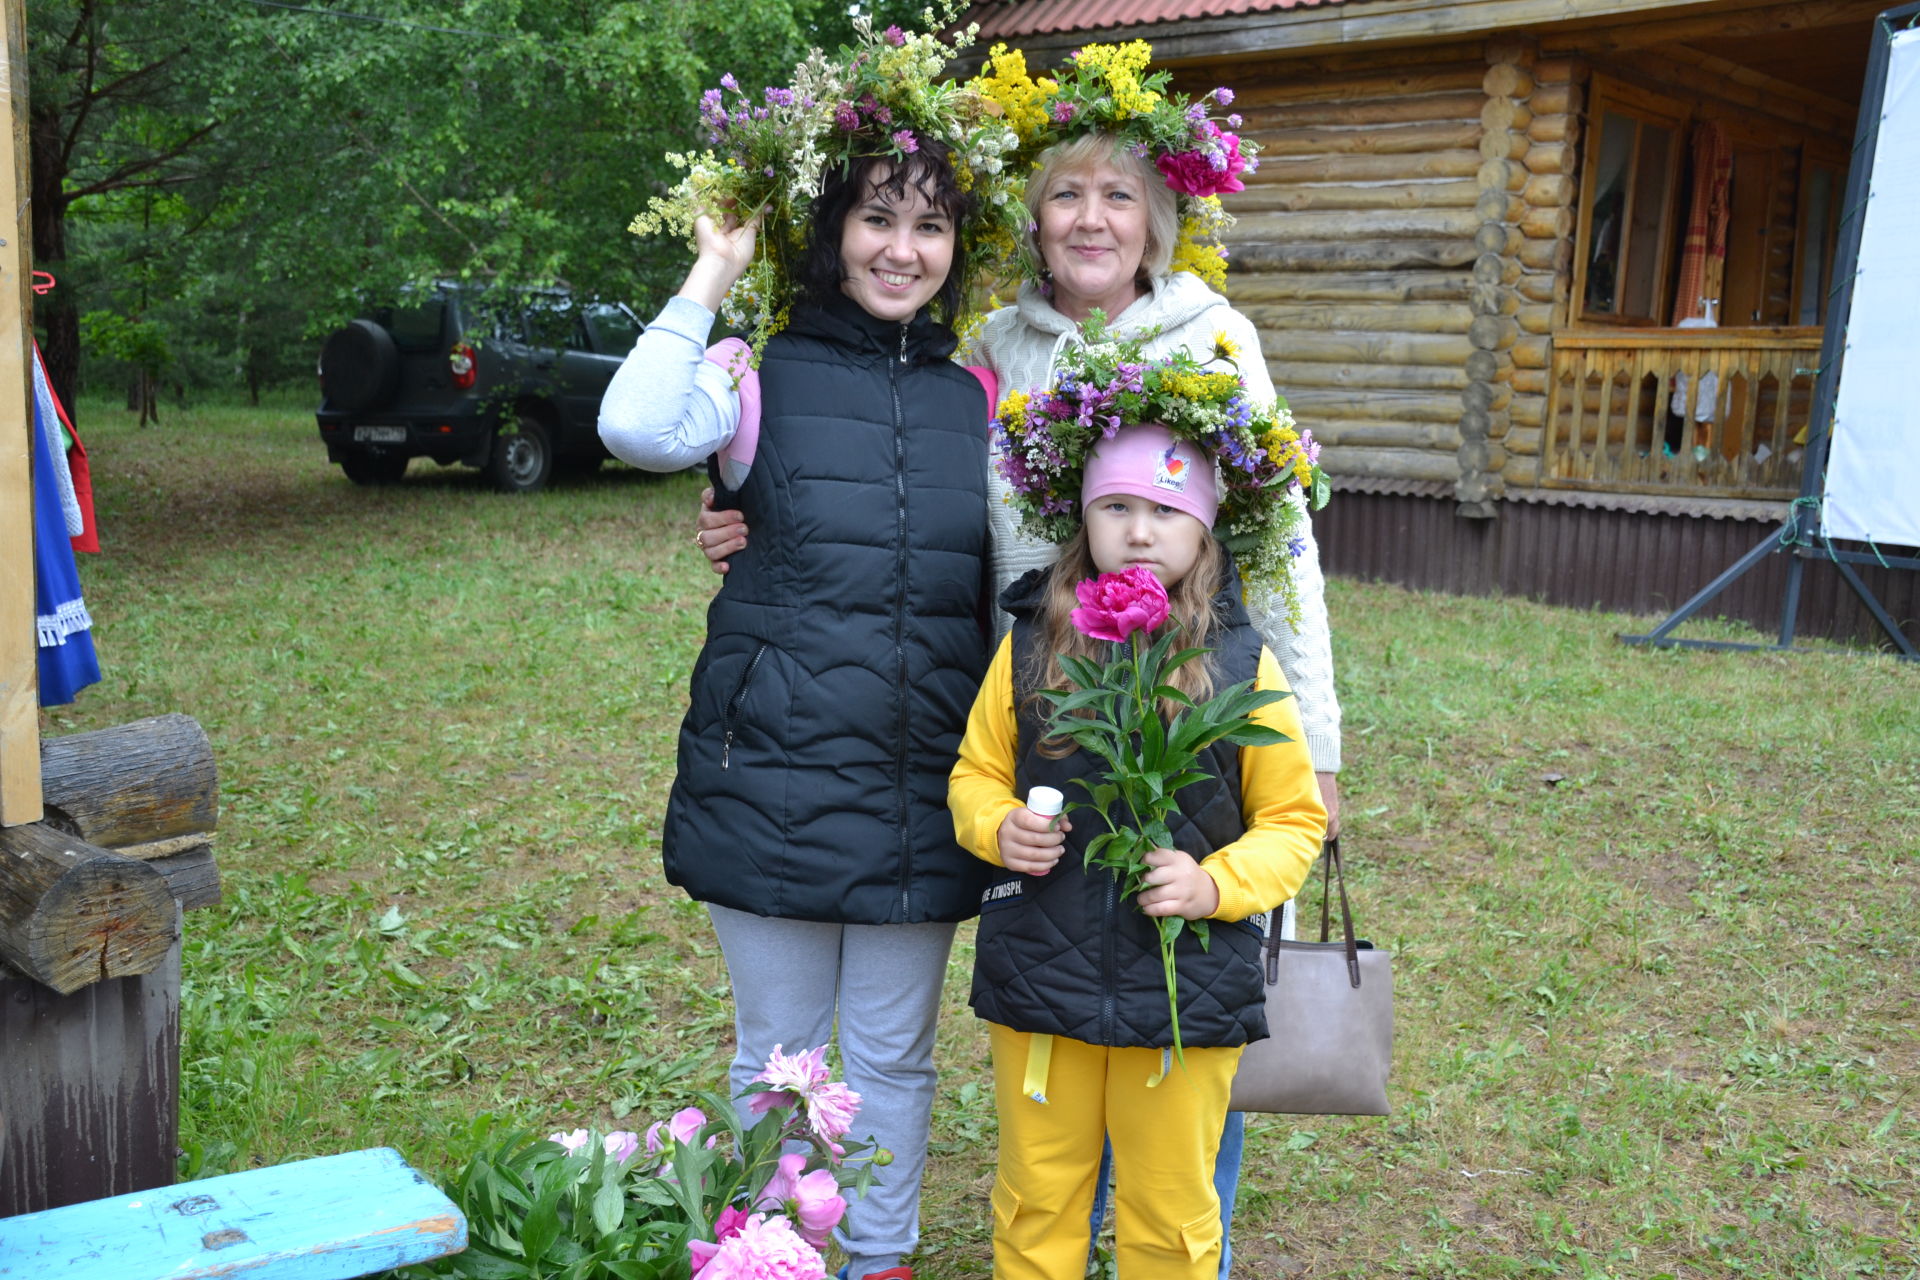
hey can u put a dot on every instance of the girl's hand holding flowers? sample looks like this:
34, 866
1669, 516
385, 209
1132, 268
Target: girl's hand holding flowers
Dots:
1177, 886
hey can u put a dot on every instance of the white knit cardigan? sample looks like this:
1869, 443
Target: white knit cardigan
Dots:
1021, 344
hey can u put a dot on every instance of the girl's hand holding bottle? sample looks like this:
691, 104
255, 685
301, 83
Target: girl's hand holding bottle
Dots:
1032, 839
1178, 886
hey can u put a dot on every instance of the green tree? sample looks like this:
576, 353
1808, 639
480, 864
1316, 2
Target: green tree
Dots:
231, 168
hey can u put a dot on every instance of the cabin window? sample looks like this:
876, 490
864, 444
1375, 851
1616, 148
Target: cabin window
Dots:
1823, 181
1627, 206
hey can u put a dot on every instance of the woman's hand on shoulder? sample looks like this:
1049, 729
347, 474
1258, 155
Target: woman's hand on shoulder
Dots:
719, 533
1178, 886
1031, 843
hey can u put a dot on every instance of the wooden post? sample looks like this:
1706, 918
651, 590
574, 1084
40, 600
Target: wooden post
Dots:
19, 678
91, 1092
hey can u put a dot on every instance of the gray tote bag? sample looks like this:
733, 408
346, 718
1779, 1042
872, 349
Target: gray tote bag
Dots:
1329, 1021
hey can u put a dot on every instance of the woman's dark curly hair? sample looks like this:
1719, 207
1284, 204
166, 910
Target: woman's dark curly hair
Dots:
928, 171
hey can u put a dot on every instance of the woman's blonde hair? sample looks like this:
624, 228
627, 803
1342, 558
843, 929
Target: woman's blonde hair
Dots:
1190, 607
1088, 151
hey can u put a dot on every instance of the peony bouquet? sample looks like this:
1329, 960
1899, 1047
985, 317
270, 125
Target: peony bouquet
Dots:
720, 1191
1114, 711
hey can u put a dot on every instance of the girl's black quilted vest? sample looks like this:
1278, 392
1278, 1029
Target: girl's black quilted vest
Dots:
845, 646
1061, 953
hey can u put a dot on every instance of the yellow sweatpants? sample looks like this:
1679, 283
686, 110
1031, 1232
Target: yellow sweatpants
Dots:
1166, 1215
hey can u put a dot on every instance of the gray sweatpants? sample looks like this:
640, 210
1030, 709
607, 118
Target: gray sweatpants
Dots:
789, 978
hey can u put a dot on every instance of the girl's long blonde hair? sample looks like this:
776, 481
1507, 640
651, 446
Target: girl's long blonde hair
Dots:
1190, 607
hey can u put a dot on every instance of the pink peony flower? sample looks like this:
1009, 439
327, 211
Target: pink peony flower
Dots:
1194, 173
830, 1111
725, 1228
766, 1247
794, 1073
1115, 605
812, 1199
620, 1145
574, 1143
684, 1127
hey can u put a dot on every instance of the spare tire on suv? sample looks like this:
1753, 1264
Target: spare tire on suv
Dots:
359, 366
505, 380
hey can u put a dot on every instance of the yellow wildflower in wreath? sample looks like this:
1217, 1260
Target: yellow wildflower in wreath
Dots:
1109, 88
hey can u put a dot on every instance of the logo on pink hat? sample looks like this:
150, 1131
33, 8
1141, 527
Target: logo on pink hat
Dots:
1170, 472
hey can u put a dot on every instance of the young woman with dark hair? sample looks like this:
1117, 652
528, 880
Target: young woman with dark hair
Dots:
809, 810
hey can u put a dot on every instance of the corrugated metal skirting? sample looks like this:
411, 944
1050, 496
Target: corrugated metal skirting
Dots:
1630, 562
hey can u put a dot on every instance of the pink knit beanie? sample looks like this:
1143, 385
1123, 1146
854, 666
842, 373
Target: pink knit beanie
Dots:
1151, 462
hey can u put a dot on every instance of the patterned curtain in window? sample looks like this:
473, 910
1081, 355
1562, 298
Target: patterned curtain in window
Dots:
1703, 256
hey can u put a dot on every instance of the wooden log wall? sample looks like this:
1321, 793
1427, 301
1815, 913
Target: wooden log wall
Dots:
1355, 249
1542, 270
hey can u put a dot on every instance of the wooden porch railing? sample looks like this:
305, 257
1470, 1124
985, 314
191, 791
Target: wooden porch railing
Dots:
1745, 393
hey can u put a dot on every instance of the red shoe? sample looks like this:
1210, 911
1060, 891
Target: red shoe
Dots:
891, 1273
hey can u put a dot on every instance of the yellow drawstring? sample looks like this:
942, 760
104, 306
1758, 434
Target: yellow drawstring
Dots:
1039, 1061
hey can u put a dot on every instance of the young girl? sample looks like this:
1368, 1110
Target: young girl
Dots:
1069, 977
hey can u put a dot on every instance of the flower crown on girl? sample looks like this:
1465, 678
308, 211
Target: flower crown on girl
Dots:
1105, 87
1267, 470
769, 154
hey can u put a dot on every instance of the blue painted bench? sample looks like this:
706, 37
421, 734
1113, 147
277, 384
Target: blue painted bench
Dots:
332, 1218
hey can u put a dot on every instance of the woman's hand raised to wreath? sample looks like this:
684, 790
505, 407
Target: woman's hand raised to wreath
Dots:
719, 533
725, 252
1178, 886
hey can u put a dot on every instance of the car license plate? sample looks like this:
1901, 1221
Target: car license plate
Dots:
380, 435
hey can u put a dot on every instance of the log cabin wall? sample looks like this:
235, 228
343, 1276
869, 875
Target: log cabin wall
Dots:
1355, 246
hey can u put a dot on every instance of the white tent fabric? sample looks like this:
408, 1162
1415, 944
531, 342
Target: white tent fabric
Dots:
1873, 471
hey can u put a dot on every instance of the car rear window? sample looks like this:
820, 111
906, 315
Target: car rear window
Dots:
415, 326
614, 331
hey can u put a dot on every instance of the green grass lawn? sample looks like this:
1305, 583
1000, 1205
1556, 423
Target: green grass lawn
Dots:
1653, 913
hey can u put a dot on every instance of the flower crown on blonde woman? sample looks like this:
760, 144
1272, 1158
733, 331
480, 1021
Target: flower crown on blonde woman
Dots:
769, 155
1106, 88
1268, 470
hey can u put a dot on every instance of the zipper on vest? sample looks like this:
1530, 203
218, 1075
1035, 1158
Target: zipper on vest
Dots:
733, 703
1109, 902
899, 633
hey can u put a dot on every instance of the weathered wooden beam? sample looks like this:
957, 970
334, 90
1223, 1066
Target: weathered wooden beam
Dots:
72, 913
1461, 162
1430, 194
1644, 33
19, 658
1380, 140
1352, 88
1352, 286
1398, 109
1449, 350
1392, 463
149, 786
1322, 406
1405, 317
1340, 433
1291, 373
1373, 224
1335, 255
193, 877
90, 1091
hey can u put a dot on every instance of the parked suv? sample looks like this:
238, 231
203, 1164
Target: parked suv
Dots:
506, 381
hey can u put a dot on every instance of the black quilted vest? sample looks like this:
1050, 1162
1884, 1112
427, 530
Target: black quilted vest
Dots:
845, 646
1062, 954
